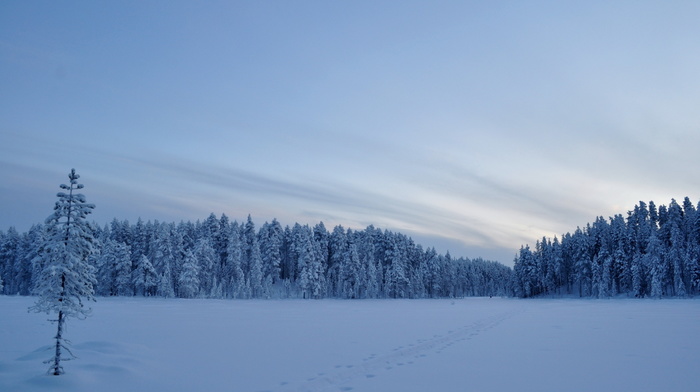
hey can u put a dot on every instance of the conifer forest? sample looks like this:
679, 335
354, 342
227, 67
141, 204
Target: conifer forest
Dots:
652, 252
216, 258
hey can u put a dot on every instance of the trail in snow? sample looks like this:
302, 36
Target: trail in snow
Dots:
337, 379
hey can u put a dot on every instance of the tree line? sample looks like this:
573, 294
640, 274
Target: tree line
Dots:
653, 252
217, 258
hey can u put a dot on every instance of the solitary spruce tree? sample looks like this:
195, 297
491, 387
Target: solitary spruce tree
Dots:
67, 278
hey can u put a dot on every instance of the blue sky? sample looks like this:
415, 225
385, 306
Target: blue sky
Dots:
473, 126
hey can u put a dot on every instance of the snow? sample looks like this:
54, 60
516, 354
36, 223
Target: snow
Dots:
477, 344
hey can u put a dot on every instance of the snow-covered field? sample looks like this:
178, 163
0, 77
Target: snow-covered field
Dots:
476, 344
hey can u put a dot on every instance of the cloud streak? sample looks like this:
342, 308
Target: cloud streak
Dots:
467, 124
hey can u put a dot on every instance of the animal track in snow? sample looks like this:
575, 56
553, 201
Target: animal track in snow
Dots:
337, 379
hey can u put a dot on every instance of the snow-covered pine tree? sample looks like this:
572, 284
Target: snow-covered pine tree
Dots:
222, 239
431, 273
654, 261
24, 269
67, 278
9, 247
337, 244
161, 250
677, 252
582, 268
369, 266
694, 267
123, 284
397, 280
296, 238
638, 278
165, 283
139, 241
270, 241
207, 265
312, 278
252, 262
106, 272
350, 271
188, 279
145, 279
449, 276
177, 241
233, 278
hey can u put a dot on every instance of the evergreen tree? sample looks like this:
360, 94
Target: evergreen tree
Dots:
106, 269
337, 252
67, 278
145, 279
525, 273
252, 262
123, 268
367, 252
29, 250
312, 276
676, 253
290, 254
270, 241
9, 248
165, 283
449, 275
432, 274
397, 279
233, 277
179, 251
561, 269
139, 241
221, 240
337, 244
189, 276
161, 250
638, 276
208, 265
656, 265
693, 266
351, 271
415, 262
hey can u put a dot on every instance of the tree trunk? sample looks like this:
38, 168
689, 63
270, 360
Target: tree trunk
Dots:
57, 370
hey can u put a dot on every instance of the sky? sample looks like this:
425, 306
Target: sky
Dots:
472, 126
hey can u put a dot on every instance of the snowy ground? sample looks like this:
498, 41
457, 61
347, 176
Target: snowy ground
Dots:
371, 345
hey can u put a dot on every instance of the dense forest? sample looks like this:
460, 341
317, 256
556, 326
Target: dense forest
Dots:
216, 258
653, 252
